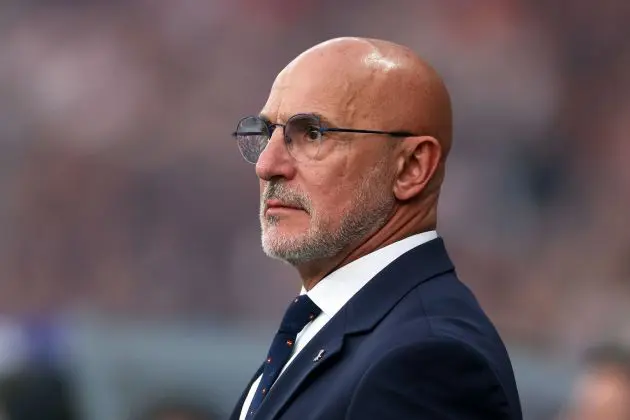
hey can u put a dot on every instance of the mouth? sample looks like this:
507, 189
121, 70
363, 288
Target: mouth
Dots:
279, 206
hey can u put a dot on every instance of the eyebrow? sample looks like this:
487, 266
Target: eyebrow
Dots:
324, 120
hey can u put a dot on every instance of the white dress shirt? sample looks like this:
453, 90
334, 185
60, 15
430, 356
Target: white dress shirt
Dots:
336, 289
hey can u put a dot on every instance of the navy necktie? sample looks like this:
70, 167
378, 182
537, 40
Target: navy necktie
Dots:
300, 312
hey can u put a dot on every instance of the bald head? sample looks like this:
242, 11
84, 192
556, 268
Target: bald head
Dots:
375, 83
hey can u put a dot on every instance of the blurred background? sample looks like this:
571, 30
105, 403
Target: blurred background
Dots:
132, 283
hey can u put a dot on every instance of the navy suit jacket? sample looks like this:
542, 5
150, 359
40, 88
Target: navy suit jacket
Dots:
411, 344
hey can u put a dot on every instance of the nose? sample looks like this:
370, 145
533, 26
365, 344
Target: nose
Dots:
275, 160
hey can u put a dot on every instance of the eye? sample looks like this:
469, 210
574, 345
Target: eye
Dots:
313, 133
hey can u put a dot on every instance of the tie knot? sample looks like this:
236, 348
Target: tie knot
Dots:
300, 312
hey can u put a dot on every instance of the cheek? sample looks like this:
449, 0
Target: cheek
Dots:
332, 202
332, 187
319, 184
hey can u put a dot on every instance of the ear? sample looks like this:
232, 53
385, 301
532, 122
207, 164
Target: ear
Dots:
416, 166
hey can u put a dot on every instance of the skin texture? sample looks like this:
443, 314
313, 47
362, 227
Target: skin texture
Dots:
363, 191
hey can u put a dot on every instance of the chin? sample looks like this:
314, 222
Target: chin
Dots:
284, 230
286, 255
283, 246
279, 241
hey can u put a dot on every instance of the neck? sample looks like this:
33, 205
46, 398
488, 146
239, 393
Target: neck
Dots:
407, 220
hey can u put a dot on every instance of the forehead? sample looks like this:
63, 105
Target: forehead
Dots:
323, 87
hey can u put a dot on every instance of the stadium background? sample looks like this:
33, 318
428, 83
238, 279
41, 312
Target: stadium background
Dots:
129, 240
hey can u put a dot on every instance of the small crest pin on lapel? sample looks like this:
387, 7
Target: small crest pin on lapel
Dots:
319, 356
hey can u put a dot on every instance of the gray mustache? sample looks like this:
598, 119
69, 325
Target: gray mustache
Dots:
275, 191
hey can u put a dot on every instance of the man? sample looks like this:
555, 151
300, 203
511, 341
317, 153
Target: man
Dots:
350, 149
602, 390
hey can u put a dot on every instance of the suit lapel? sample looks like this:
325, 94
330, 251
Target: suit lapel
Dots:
319, 352
236, 413
361, 314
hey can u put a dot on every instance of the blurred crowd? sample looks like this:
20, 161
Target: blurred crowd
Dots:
122, 193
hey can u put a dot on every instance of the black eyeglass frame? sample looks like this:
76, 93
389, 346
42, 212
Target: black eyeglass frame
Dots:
317, 125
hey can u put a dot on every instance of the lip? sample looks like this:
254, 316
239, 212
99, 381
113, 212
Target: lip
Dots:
279, 205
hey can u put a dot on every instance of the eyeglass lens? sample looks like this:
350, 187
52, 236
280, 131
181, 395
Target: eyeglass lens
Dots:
302, 136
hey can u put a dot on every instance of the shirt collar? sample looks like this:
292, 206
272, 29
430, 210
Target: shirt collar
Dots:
337, 288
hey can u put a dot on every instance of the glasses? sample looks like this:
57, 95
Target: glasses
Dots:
303, 136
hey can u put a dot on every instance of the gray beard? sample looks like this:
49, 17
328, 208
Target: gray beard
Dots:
366, 216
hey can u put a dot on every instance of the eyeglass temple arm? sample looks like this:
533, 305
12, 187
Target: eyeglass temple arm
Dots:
338, 130
352, 130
